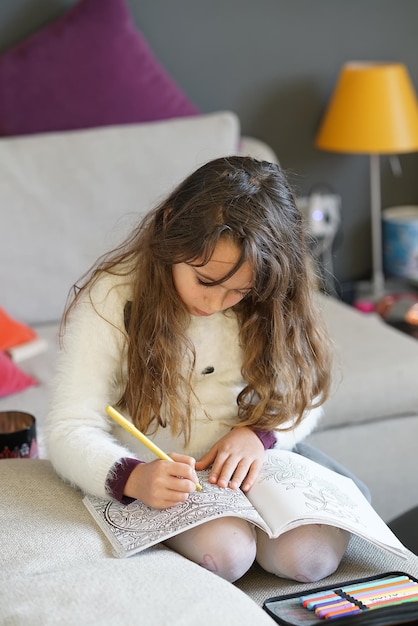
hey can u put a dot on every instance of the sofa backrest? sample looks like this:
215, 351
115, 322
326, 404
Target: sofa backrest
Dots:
65, 198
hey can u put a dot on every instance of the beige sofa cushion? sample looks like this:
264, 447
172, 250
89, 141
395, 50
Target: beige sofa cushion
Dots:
56, 567
68, 197
381, 453
375, 368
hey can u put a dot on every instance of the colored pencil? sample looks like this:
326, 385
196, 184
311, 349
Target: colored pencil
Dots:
130, 428
311, 597
383, 591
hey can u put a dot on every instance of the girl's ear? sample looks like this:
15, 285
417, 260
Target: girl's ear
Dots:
166, 215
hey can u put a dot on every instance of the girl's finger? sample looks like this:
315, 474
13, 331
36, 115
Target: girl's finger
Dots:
239, 474
228, 470
218, 467
183, 471
206, 460
252, 475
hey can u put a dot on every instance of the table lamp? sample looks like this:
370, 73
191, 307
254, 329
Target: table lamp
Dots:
373, 110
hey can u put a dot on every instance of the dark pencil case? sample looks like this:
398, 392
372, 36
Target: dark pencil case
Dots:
288, 610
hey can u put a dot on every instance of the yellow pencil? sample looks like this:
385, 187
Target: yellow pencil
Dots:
127, 425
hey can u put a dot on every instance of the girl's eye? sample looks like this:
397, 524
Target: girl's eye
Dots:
242, 293
201, 282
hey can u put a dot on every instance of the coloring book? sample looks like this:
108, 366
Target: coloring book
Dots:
291, 490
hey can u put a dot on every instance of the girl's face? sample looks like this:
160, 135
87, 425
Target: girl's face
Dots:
193, 283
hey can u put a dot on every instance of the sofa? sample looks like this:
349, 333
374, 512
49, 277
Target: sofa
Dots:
66, 197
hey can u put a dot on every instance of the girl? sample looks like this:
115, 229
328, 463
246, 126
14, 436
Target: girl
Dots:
202, 327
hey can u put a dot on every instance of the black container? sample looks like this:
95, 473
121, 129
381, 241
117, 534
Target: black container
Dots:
18, 435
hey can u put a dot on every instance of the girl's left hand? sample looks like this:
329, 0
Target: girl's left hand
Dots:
236, 459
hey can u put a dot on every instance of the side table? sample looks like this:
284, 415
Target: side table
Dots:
405, 528
398, 306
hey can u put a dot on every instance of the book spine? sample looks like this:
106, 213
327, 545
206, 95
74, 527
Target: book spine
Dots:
27, 350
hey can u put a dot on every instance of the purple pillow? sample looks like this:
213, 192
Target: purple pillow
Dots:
89, 68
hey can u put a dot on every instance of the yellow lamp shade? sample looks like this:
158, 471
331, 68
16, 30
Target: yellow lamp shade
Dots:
373, 110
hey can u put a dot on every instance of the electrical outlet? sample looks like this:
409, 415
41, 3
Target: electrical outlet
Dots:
322, 212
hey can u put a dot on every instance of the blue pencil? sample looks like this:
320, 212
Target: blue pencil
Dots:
375, 583
371, 593
372, 584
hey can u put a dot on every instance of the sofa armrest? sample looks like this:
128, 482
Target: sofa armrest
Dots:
57, 567
249, 146
375, 368
117, 174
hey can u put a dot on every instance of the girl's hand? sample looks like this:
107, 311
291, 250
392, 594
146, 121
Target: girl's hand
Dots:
236, 459
161, 484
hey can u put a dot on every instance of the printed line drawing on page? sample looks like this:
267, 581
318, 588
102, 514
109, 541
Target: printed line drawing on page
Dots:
291, 491
320, 493
135, 525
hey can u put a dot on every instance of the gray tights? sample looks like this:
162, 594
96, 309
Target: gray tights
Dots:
229, 546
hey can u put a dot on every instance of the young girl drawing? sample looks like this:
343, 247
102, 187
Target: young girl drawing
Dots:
202, 328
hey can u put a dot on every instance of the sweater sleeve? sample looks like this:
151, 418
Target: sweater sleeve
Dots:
267, 438
287, 439
117, 478
78, 433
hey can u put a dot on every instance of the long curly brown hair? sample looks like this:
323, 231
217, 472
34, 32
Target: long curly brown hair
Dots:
286, 355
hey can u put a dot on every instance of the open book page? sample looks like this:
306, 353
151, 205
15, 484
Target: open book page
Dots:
136, 526
293, 490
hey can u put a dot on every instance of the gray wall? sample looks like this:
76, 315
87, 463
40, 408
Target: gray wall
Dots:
275, 62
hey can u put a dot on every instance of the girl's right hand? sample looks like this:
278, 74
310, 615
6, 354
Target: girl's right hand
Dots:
161, 484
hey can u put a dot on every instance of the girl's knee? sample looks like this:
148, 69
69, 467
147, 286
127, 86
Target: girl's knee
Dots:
305, 554
226, 547
314, 564
231, 554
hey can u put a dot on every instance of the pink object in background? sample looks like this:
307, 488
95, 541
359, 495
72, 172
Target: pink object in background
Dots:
365, 306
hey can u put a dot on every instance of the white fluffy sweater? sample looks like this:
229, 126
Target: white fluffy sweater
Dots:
84, 443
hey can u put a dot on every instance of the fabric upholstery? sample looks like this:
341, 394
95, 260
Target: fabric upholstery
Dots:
12, 378
375, 368
382, 453
13, 332
89, 68
78, 193
57, 567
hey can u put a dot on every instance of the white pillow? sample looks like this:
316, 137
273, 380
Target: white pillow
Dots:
68, 197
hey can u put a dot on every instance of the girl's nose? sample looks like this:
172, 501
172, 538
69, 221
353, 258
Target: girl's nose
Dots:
216, 300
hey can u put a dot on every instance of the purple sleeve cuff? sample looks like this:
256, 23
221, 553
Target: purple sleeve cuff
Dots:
121, 470
267, 438
117, 478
